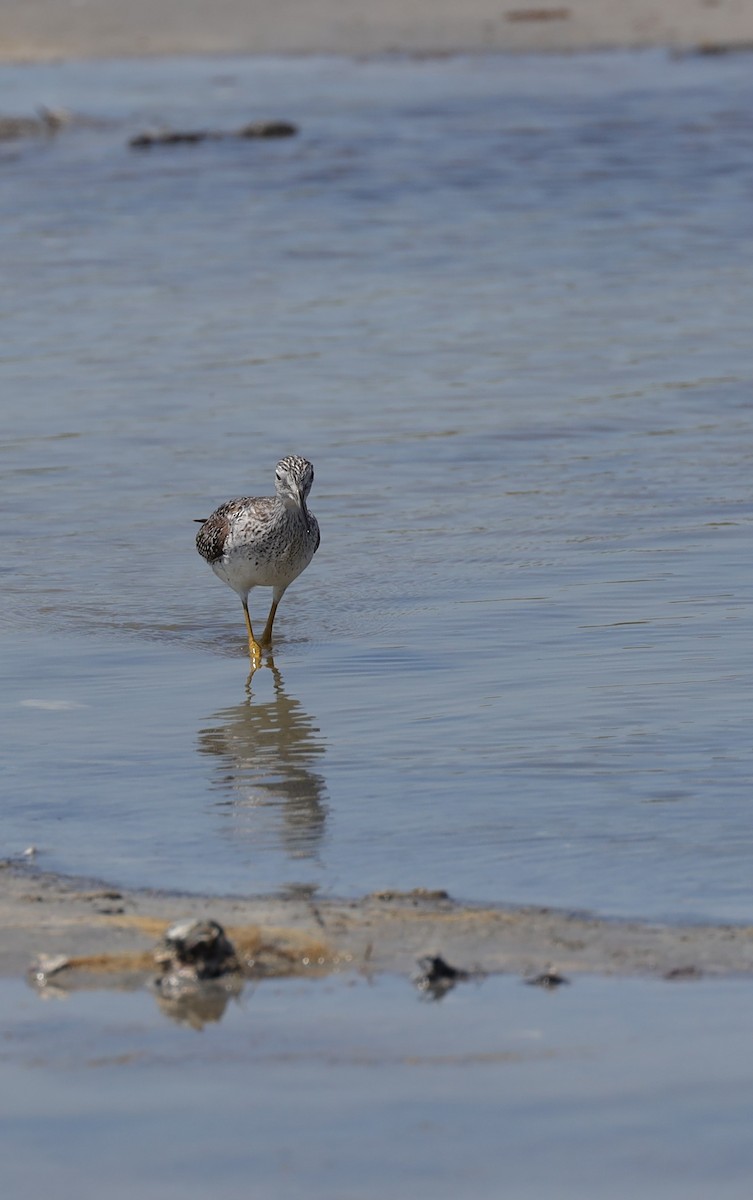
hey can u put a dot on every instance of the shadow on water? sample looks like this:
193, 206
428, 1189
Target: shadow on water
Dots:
266, 750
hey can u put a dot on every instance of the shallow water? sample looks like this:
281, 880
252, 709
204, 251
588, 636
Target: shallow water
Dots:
360, 1090
502, 304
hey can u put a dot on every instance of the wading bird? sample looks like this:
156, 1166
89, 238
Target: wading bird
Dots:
263, 541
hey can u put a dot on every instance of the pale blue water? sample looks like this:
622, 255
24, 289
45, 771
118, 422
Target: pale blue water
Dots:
335, 1092
503, 305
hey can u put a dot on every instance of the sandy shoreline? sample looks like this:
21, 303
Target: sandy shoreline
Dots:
40, 30
51, 915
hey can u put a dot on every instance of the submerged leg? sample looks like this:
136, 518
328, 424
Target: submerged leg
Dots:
254, 649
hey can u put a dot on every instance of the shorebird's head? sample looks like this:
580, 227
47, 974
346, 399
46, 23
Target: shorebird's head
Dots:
293, 479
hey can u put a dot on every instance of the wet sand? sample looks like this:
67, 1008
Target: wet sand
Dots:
113, 931
34, 30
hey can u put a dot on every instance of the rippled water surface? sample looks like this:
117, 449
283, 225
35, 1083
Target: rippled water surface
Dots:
504, 307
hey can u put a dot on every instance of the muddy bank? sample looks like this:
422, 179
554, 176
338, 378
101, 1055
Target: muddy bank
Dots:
115, 931
46, 29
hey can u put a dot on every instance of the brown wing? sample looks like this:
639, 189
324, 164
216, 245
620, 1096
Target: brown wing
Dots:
211, 538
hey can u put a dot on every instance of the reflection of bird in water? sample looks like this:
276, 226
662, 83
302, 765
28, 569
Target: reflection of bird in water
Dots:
265, 751
263, 542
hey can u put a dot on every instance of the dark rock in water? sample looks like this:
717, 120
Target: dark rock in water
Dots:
192, 951
268, 129
199, 972
437, 977
549, 980
174, 137
169, 137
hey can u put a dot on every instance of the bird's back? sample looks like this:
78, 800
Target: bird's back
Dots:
246, 515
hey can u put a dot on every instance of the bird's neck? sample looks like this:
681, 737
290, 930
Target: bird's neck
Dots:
295, 510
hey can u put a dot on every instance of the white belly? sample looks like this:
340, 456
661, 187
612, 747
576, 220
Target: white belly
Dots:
242, 571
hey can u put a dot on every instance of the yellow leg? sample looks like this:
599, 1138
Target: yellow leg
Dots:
266, 637
254, 649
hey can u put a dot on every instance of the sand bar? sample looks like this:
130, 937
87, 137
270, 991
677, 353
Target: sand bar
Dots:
38, 30
52, 915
